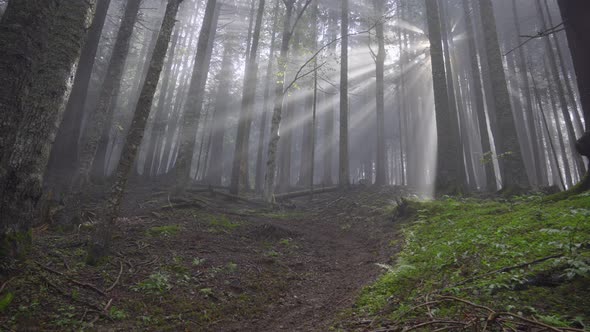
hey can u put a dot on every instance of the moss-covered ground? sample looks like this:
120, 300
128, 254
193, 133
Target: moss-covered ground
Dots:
526, 256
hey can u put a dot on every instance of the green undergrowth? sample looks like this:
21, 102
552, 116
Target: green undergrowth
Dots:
477, 250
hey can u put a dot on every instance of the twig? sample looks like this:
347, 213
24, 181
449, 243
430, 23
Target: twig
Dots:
432, 322
5, 284
118, 277
62, 292
82, 284
106, 307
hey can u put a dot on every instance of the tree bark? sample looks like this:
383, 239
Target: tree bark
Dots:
447, 177
102, 238
98, 118
510, 159
343, 171
259, 179
575, 14
194, 101
381, 175
33, 104
240, 172
64, 154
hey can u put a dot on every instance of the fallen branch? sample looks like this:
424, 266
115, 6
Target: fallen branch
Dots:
81, 284
118, 278
301, 193
452, 322
64, 293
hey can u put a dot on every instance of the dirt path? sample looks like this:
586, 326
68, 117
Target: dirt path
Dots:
201, 263
340, 242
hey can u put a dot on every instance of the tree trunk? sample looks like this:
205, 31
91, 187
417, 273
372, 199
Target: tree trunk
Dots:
64, 154
159, 123
220, 116
575, 14
102, 238
36, 76
259, 179
381, 175
479, 98
343, 172
196, 91
97, 119
278, 104
447, 177
508, 149
557, 82
240, 172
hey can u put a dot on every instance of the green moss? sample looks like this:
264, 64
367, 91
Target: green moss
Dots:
222, 223
451, 241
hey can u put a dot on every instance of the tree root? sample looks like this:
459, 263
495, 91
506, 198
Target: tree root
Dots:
81, 284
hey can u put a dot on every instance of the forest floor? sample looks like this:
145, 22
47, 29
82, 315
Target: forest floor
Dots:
203, 262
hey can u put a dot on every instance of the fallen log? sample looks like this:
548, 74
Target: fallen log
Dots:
301, 193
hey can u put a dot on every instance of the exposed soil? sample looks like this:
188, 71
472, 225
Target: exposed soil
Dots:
202, 262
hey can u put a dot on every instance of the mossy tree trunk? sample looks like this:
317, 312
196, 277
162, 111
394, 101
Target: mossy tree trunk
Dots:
41, 44
102, 238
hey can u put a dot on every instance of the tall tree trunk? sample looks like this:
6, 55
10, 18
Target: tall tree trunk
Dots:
575, 14
220, 116
278, 103
98, 118
64, 154
381, 175
510, 157
159, 123
447, 176
343, 172
557, 82
528, 107
36, 77
479, 98
259, 179
240, 172
196, 91
102, 238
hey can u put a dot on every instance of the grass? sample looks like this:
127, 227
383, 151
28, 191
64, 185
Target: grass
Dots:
451, 244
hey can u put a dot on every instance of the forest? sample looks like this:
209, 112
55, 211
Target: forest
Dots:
295, 165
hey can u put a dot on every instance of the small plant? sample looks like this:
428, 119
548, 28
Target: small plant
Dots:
5, 301
206, 291
231, 267
222, 223
198, 261
168, 230
117, 314
156, 283
272, 253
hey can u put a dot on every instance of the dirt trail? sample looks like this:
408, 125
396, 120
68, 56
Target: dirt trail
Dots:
203, 263
340, 243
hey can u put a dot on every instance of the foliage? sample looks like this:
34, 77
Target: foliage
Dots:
222, 223
168, 230
5, 301
156, 283
461, 248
